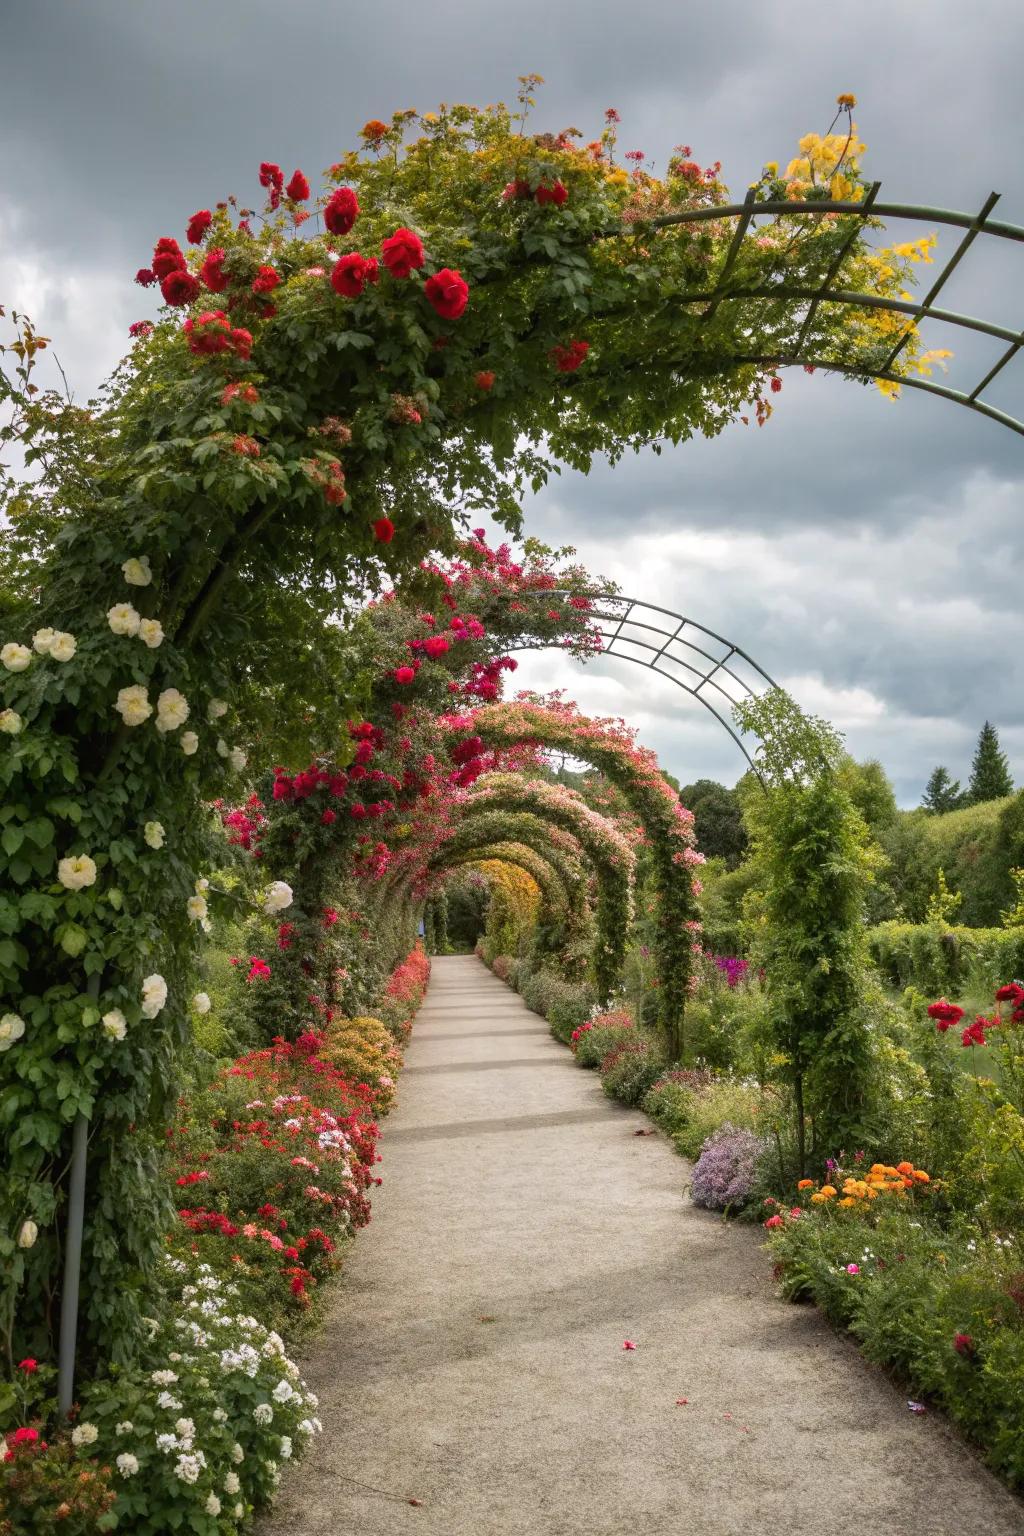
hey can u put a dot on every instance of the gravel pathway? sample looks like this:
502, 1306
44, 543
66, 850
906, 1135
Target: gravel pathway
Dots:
473, 1359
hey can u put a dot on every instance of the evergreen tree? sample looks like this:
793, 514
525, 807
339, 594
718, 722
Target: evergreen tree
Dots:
942, 793
990, 771
718, 820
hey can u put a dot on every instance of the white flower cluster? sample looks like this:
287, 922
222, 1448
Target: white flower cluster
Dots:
126, 620
278, 897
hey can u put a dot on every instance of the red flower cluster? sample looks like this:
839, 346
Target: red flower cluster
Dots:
551, 192
198, 224
272, 177
448, 292
384, 530
351, 273
484, 380
212, 332
402, 252
298, 188
945, 1014
266, 280
212, 272
259, 970
569, 357
341, 211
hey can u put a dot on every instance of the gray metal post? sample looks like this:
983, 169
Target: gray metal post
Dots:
73, 1252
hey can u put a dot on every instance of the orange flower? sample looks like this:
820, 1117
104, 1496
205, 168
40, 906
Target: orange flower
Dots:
828, 1191
904, 1167
374, 129
921, 1176
806, 1184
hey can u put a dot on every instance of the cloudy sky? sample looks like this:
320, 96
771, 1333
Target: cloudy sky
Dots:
868, 554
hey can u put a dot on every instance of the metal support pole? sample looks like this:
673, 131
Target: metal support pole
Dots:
73, 1252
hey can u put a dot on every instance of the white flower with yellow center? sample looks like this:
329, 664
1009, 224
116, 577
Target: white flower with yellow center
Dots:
123, 619
12, 1027
11, 722
63, 647
151, 633
84, 1434
154, 834
196, 907
133, 704
115, 1024
136, 571
171, 710
189, 743
154, 995
42, 641
76, 871
15, 657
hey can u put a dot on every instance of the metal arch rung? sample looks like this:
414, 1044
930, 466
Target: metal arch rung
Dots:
1008, 356
834, 268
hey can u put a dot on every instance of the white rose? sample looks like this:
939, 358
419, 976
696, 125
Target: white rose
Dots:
154, 995
84, 1434
15, 657
212, 1505
28, 1234
123, 619
189, 743
115, 1024
133, 704
11, 722
136, 572
12, 1027
215, 709
63, 646
202, 884
171, 710
222, 747
124, 1428
42, 640
201, 1002
196, 907
278, 897
237, 759
127, 1464
151, 633
77, 871
154, 834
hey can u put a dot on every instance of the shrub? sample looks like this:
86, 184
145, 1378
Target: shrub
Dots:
363, 1050
946, 958
592, 1041
669, 1101
725, 1174
51, 1486
566, 1005
628, 1070
725, 1102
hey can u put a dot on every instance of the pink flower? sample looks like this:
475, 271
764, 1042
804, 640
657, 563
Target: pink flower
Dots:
853, 1269
628, 1344
258, 969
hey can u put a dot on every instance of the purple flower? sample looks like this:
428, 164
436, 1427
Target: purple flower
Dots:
724, 1174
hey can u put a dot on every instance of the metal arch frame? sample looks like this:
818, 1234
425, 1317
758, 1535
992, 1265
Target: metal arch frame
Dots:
612, 615
974, 224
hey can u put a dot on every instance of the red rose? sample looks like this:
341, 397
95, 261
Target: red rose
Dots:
167, 256
555, 193
568, 359
484, 380
145, 278
179, 288
1011, 993
384, 530
404, 674
198, 224
298, 188
28, 1366
241, 340
448, 292
357, 809
212, 271
328, 817
945, 1014
271, 176
341, 211
265, 281
402, 252
352, 273
435, 645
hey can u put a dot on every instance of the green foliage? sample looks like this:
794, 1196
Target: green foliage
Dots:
938, 959
990, 771
597, 1037
630, 1070
718, 820
976, 846
812, 848
869, 787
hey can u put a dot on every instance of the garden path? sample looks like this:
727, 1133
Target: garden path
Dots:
474, 1357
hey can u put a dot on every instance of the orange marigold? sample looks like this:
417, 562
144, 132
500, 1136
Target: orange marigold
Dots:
806, 1184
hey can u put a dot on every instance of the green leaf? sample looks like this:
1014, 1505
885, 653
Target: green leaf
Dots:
12, 839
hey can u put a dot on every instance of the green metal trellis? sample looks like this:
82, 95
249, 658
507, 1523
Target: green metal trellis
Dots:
974, 226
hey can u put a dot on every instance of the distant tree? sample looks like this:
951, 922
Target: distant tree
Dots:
990, 771
942, 793
718, 819
871, 791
